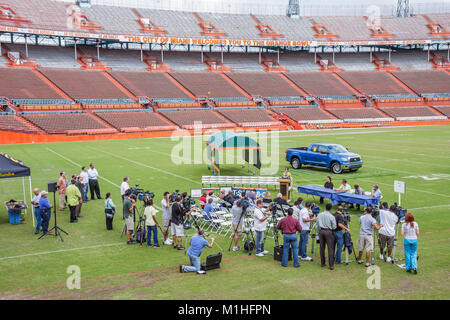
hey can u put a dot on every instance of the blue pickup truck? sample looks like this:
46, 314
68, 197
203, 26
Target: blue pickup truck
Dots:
326, 155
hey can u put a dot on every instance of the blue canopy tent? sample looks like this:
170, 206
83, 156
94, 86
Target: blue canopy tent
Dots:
15, 170
228, 140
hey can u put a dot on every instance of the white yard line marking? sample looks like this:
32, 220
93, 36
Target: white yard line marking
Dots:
62, 250
79, 165
432, 207
408, 153
147, 166
405, 160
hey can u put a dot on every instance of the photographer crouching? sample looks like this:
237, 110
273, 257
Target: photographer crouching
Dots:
178, 213
197, 243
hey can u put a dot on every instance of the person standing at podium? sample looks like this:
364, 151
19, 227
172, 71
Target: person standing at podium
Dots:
288, 175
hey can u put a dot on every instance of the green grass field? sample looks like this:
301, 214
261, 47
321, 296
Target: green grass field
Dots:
31, 269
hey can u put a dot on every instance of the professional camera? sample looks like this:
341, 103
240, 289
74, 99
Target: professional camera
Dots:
187, 203
315, 210
375, 212
346, 215
399, 211
173, 196
141, 194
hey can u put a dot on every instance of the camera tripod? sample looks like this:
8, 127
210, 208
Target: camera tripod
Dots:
57, 229
312, 228
140, 213
243, 212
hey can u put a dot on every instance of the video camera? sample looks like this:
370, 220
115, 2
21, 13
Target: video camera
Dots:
315, 209
399, 211
187, 203
140, 193
174, 195
346, 215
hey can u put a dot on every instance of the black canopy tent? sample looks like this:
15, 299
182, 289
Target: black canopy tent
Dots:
15, 170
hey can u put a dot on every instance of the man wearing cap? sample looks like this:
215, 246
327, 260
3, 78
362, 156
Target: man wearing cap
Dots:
197, 243
45, 209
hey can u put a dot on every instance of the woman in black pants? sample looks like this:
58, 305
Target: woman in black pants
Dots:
110, 210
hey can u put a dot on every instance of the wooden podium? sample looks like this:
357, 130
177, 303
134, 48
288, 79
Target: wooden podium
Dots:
284, 187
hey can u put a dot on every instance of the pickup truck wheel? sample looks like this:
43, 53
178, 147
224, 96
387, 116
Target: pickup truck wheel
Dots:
295, 163
336, 168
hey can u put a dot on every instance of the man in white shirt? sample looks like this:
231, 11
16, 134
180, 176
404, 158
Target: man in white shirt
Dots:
305, 218
124, 186
167, 215
260, 225
84, 182
93, 182
37, 212
376, 192
387, 232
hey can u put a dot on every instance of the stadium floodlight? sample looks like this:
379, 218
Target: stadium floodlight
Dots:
403, 9
294, 9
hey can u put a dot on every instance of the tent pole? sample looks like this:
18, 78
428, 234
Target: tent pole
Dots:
31, 195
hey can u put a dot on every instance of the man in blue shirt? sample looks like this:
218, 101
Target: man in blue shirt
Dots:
45, 209
376, 193
208, 209
197, 243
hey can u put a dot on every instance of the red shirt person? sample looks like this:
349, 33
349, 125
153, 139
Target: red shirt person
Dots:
289, 226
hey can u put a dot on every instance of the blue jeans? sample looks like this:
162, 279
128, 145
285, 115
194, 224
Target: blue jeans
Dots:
259, 245
289, 240
195, 264
151, 229
37, 214
85, 191
338, 243
45, 220
303, 243
410, 254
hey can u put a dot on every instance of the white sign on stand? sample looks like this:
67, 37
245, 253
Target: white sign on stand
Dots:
399, 187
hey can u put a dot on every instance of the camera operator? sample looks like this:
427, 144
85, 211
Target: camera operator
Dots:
289, 226
305, 218
165, 205
386, 235
178, 213
279, 200
128, 206
365, 241
237, 222
197, 243
337, 233
325, 225
260, 225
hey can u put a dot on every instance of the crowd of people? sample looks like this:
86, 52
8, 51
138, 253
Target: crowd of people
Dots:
331, 229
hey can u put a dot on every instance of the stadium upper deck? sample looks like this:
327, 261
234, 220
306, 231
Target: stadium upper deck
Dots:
109, 20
